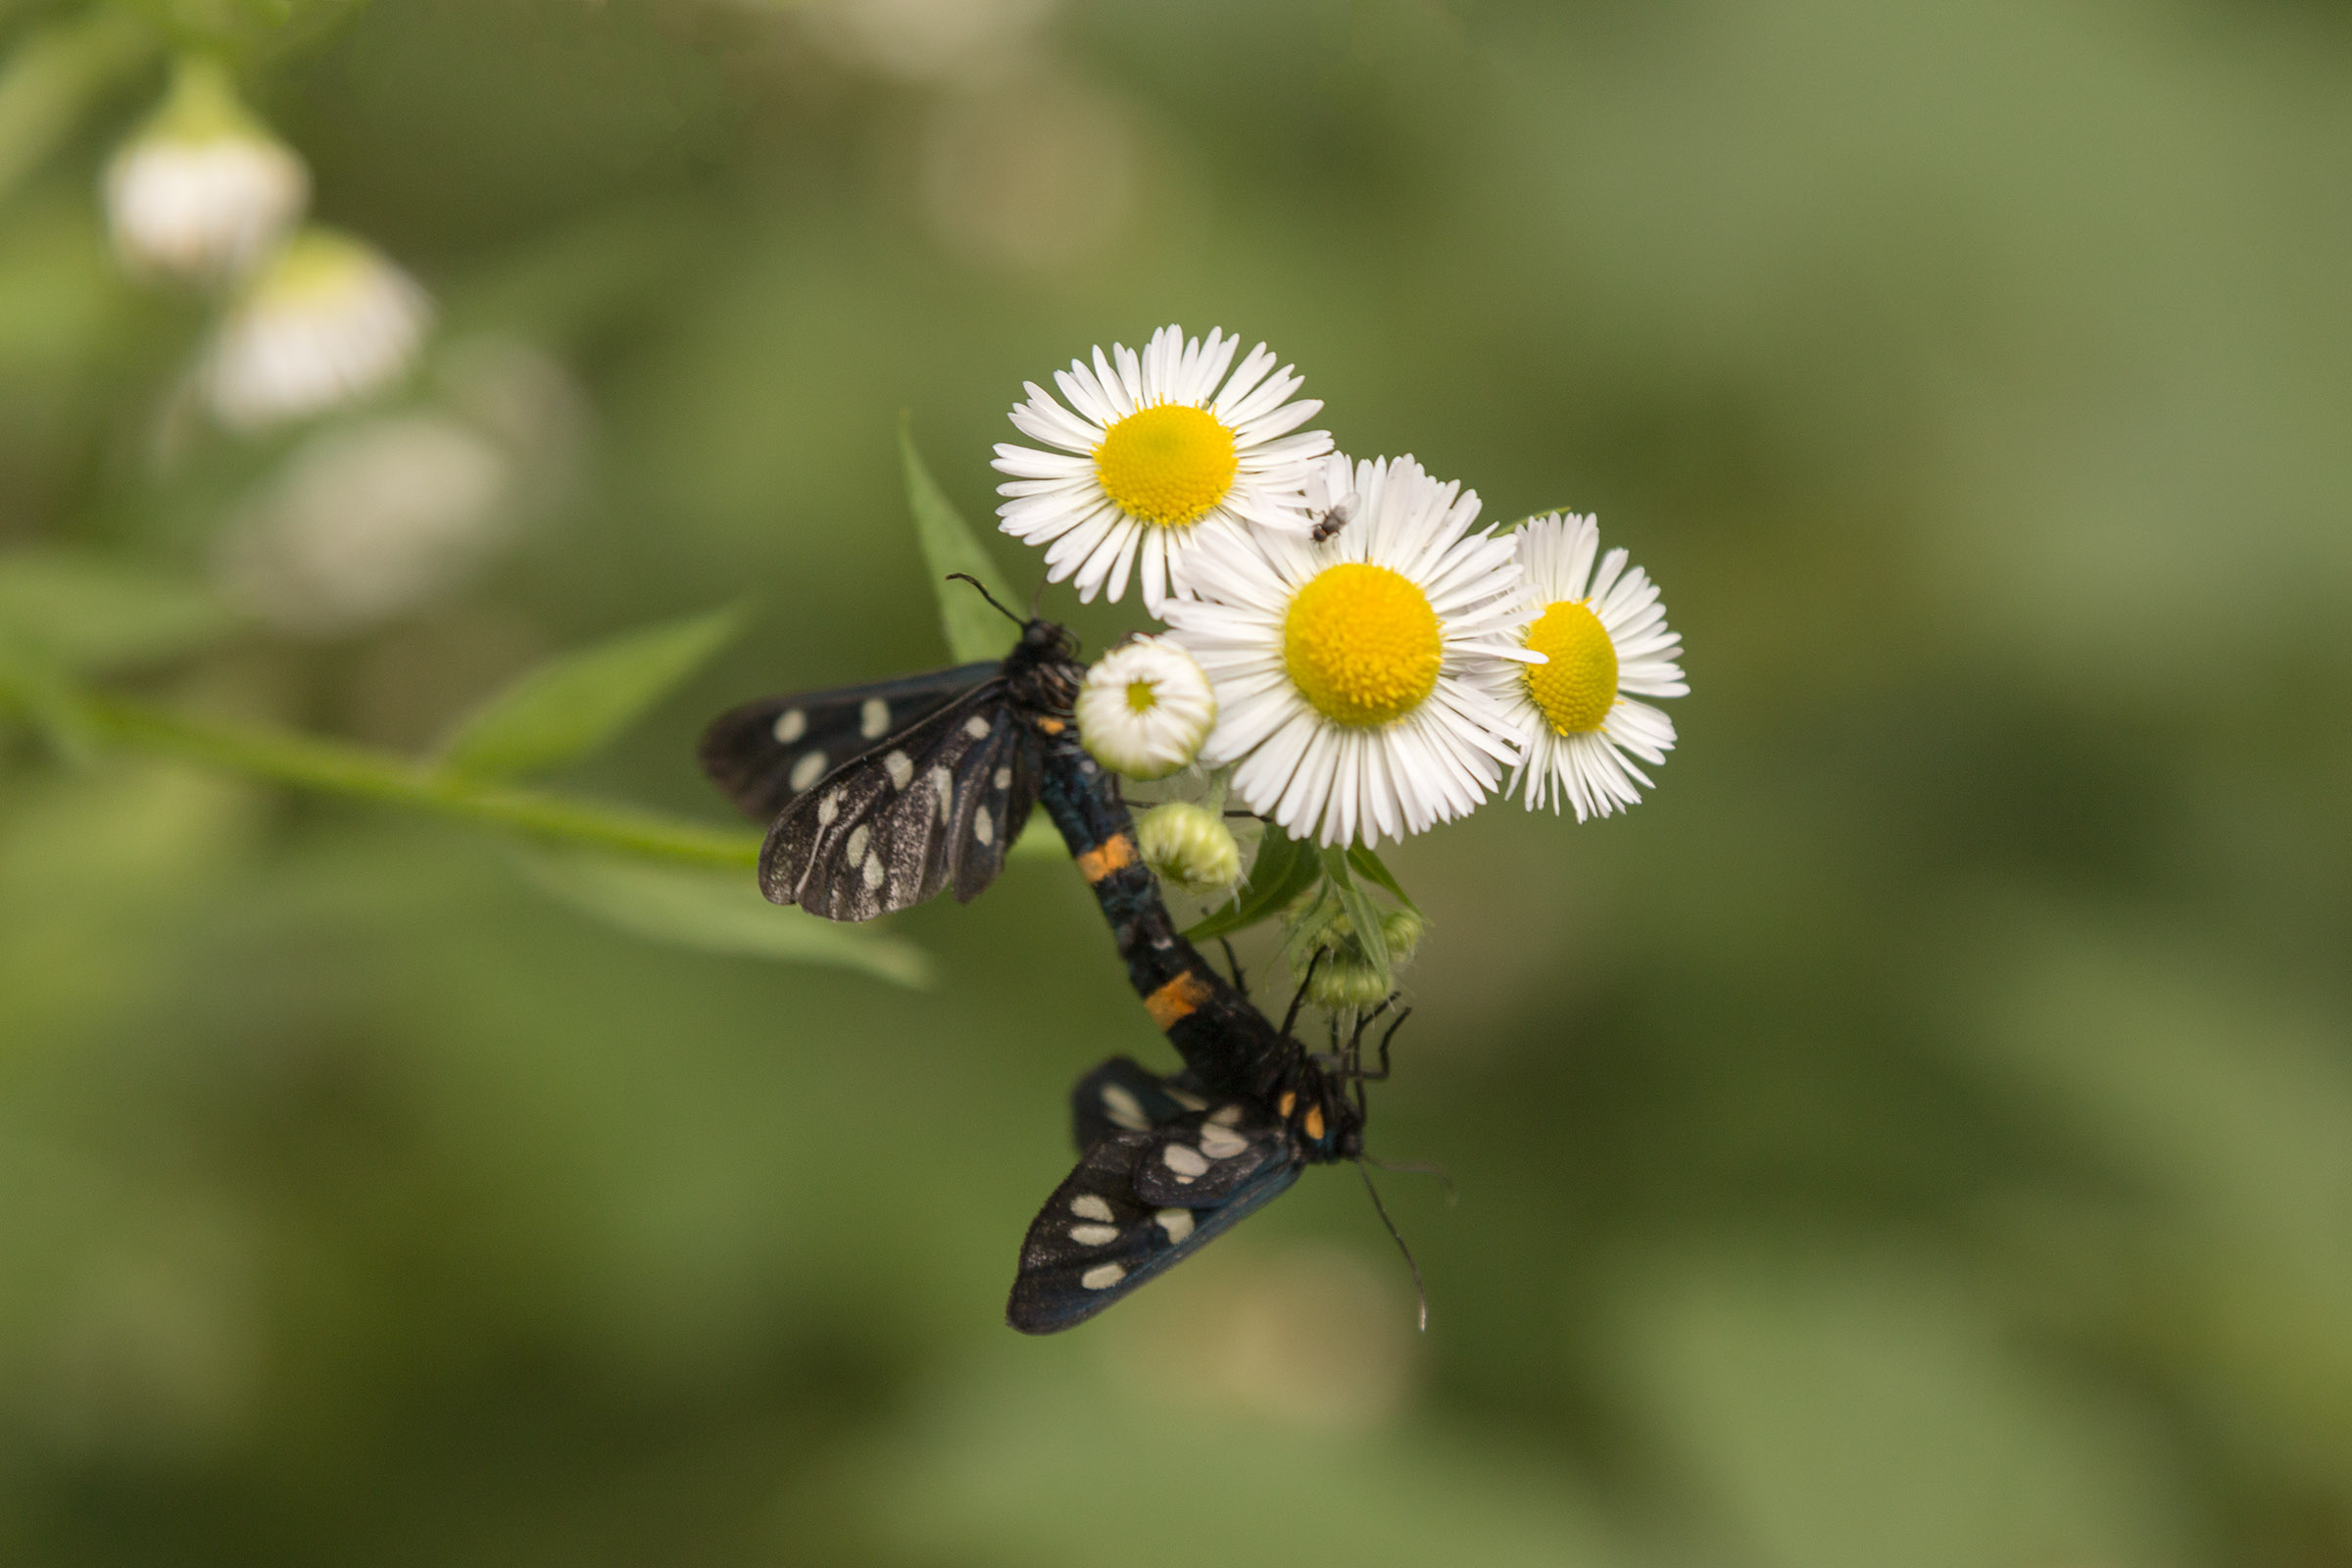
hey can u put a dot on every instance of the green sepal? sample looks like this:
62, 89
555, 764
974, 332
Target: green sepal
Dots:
576, 703
1285, 869
1371, 865
974, 629
1362, 912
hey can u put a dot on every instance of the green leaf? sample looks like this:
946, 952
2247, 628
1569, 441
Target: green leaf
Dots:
85, 612
37, 686
1285, 869
576, 701
718, 911
1370, 864
1362, 912
974, 630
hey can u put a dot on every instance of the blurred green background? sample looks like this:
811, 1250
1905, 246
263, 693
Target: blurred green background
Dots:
1920, 1133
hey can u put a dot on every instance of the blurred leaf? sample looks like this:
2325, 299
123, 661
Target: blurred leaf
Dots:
576, 703
33, 682
1284, 869
87, 612
1040, 840
1371, 865
1362, 912
51, 78
719, 912
974, 629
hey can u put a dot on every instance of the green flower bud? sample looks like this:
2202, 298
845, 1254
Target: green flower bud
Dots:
1191, 848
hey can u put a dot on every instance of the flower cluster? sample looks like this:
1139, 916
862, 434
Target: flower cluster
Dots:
1364, 661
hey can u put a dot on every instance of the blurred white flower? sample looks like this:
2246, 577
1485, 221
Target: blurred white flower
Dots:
202, 191
1032, 172
327, 320
1144, 709
1603, 634
920, 40
368, 523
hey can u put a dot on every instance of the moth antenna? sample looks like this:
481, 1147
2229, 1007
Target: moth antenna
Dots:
1420, 1292
1297, 1002
1419, 1167
965, 577
1037, 600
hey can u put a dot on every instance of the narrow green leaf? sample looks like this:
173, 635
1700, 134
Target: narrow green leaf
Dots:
1285, 869
718, 911
974, 631
1371, 865
576, 701
1362, 912
86, 612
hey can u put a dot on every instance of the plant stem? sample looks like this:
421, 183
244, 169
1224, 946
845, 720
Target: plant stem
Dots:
337, 768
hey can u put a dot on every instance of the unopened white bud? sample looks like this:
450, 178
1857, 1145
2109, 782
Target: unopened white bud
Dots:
1191, 848
329, 321
202, 191
1146, 709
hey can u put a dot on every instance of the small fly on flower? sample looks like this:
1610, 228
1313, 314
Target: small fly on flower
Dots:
1334, 517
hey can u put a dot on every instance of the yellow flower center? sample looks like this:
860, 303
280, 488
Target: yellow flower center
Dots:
1362, 644
1579, 687
1140, 697
1167, 464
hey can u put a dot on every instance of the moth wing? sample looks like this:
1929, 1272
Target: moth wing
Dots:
765, 753
1120, 1096
1097, 1239
1201, 1158
996, 787
888, 830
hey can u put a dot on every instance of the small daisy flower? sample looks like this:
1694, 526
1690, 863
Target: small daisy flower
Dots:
1144, 709
1352, 674
1154, 457
1602, 634
327, 320
202, 191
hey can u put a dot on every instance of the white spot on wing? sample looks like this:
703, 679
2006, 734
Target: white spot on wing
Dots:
807, 771
1185, 1161
854, 849
873, 718
1102, 1276
977, 727
899, 770
1093, 1235
1004, 778
1123, 1109
791, 725
1086, 1205
1226, 1115
1189, 1101
828, 808
1221, 1143
872, 869
943, 786
1177, 1222
981, 828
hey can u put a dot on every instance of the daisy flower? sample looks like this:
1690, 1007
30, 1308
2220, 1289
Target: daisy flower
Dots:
203, 190
1144, 709
1603, 634
1352, 675
327, 320
1154, 457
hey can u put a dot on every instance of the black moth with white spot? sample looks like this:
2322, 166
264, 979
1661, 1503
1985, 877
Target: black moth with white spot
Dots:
883, 795
878, 797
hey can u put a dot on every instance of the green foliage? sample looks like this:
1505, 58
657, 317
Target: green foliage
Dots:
1284, 869
718, 911
571, 706
91, 614
975, 630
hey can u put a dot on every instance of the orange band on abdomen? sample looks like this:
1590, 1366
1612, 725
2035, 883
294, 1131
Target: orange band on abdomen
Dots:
1114, 853
1178, 999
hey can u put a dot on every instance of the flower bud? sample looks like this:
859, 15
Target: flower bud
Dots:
1404, 929
1342, 981
203, 190
1191, 848
327, 320
1146, 709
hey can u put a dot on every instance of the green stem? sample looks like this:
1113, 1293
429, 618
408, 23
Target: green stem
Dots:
336, 767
